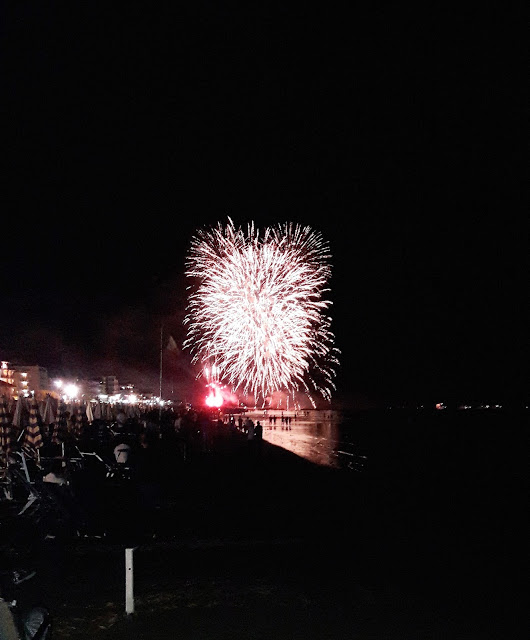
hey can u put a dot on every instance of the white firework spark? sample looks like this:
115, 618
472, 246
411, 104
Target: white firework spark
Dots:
256, 308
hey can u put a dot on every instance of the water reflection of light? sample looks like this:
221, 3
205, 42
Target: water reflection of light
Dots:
319, 437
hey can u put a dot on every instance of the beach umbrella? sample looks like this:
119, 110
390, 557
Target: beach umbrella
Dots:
69, 414
33, 435
78, 422
48, 415
89, 414
97, 411
41, 406
18, 418
49, 411
60, 431
84, 417
5, 431
70, 408
107, 411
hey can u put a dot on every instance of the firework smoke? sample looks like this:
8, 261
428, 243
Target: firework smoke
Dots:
256, 309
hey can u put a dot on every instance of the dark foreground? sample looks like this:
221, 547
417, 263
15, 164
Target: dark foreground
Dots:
262, 544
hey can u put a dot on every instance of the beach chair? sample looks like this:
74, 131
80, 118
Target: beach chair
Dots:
36, 625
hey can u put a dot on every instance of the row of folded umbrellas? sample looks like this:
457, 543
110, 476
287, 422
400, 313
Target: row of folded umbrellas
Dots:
26, 420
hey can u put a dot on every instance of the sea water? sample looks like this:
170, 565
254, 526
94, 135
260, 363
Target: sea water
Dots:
442, 445
324, 437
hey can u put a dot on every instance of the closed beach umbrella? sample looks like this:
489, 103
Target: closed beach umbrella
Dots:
89, 414
130, 411
17, 421
5, 431
41, 407
49, 413
33, 435
84, 417
107, 411
4, 416
48, 416
61, 426
78, 424
70, 417
97, 411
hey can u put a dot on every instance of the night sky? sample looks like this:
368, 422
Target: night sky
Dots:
394, 133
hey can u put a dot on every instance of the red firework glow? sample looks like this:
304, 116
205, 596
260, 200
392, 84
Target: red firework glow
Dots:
214, 399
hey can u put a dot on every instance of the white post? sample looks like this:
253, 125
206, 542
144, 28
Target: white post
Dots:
129, 596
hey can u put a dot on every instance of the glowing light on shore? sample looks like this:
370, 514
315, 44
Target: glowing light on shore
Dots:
256, 308
71, 391
214, 398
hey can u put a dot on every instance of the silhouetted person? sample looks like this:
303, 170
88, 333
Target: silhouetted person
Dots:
148, 462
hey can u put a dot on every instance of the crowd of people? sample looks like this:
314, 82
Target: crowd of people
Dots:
137, 461
127, 478
123, 468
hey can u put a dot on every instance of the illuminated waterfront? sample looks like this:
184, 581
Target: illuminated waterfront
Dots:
323, 437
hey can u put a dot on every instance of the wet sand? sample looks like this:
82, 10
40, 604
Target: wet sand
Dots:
267, 545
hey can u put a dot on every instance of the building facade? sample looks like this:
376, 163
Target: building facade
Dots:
110, 385
26, 380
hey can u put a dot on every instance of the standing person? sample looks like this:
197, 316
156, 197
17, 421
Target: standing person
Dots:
232, 426
258, 437
177, 424
251, 437
219, 431
148, 463
249, 428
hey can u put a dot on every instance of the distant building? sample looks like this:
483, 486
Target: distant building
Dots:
110, 385
7, 374
91, 387
7, 390
26, 380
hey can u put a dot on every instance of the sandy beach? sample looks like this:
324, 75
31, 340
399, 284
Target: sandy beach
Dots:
264, 544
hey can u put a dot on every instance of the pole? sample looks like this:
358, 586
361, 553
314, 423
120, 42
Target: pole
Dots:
161, 357
129, 583
161, 334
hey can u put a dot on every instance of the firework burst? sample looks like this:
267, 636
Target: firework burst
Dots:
256, 308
